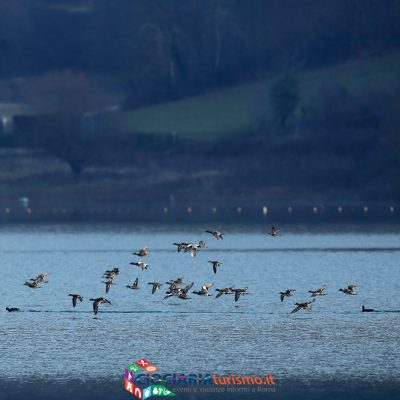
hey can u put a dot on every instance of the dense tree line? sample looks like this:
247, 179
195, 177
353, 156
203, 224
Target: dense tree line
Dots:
163, 49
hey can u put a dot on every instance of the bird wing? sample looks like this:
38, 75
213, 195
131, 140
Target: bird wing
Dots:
351, 287
215, 268
136, 282
296, 309
237, 295
95, 307
73, 301
219, 295
282, 296
188, 287
80, 298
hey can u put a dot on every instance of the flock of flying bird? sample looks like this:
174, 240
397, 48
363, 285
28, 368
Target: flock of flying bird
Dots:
174, 289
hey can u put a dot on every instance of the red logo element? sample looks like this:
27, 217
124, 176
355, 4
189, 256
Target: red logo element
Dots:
147, 366
132, 388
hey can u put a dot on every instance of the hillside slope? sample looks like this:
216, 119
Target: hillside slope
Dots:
234, 110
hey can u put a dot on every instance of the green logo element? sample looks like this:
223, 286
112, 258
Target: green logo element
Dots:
160, 390
134, 368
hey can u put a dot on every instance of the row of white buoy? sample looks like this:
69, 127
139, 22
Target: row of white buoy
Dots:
189, 210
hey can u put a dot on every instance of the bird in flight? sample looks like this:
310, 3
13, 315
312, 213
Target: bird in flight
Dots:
217, 234
143, 252
286, 293
75, 297
215, 265
135, 285
96, 302
305, 306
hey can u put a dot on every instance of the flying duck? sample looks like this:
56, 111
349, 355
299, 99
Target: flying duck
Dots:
286, 293
349, 290
156, 286
178, 292
319, 292
183, 296
217, 234
142, 252
192, 247
239, 292
181, 246
223, 291
35, 282
275, 232
108, 283
305, 306
202, 245
96, 302
215, 265
135, 285
74, 298
141, 265
175, 282
111, 274
204, 290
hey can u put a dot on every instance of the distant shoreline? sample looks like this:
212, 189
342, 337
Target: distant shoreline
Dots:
194, 213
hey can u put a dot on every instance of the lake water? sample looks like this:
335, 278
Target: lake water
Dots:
258, 334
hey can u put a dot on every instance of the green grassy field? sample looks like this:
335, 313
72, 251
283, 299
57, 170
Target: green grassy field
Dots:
234, 110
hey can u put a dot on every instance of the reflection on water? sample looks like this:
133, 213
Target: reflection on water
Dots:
255, 335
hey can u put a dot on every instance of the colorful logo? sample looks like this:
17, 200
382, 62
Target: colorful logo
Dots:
152, 390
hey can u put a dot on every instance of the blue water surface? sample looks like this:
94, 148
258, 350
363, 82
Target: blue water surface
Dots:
258, 334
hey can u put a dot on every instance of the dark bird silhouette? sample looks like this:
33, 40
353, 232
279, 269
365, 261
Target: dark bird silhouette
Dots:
175, 282
135, 285
178, 292
223, 291
287, 293
367, 309
217, 234
111, 274
141, 265
319, 292
12, 309
75, 297
142, 252
96, 302
33, 285
156, 286
349, 290
181, 246
215, 265
108, 283
275, 232
305, 306
239, 292
204, 290
192, 248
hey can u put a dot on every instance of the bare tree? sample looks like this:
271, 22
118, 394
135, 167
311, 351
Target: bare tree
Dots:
64, 98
